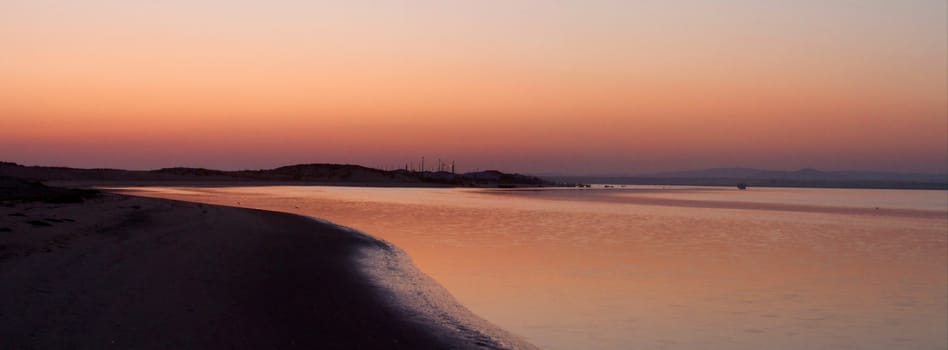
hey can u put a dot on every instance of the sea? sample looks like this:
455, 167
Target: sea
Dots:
660, 267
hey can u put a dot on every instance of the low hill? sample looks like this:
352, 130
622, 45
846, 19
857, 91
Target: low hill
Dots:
327, 174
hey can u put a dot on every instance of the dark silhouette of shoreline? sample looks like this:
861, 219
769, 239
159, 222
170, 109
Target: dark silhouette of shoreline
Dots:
317, 174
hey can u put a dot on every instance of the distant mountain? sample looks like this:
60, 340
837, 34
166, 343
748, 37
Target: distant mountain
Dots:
756, 177
328, 174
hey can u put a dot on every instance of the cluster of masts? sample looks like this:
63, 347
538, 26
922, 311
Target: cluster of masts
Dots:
419, 167
442, 166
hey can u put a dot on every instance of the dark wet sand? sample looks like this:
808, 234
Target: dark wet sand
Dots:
138, 273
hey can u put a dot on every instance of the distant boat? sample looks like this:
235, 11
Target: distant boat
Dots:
742, 186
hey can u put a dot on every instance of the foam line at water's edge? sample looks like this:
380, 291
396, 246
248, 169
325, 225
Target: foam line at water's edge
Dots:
422, 299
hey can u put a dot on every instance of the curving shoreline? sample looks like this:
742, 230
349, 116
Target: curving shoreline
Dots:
135, 272
421, 299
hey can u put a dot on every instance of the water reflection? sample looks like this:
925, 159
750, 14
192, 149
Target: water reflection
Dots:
613, 269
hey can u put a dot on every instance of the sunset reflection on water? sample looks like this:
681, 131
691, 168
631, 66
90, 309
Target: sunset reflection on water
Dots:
617, 269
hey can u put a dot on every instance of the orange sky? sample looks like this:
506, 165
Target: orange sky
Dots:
536, 86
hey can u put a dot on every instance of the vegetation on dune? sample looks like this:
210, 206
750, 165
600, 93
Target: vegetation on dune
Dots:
14, 189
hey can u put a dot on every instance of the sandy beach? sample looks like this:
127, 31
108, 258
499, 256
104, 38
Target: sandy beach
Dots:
128, 272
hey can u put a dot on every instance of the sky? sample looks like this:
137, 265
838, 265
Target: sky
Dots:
554, 86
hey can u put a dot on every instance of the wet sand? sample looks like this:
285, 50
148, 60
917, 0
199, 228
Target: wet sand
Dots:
130, 272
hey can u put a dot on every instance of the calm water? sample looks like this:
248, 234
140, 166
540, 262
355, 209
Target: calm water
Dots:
662, 268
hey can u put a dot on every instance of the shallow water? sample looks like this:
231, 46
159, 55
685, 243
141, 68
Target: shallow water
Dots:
662, 268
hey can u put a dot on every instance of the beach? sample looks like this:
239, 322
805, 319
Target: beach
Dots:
125, 272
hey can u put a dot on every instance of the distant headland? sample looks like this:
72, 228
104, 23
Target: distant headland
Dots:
317, 174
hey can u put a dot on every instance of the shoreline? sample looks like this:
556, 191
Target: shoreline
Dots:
421, 298
124, 271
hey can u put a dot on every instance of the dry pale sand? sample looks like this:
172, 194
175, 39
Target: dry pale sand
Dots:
139, 273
